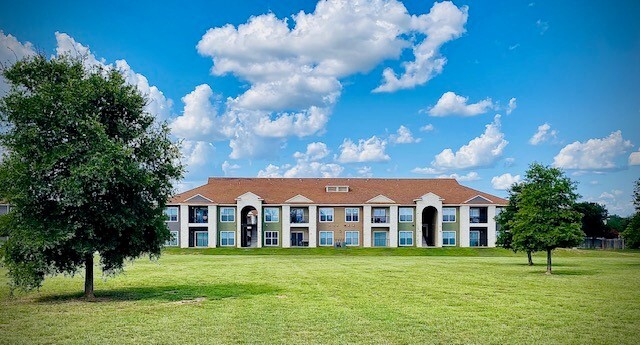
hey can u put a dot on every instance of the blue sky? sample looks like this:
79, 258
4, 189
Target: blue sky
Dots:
382, 89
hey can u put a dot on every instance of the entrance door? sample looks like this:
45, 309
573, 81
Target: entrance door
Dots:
202, 238
296, 239
474, 238
380, 239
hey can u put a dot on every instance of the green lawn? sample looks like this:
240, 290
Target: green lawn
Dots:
354, 296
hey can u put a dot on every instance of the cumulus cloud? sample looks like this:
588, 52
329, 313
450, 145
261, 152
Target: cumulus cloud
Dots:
11, 51
504, 181
470, 176
452, 104
369, 150
511, 106
365, 171
403, 136
634, 158
543, 134
482, 151
229, 168
616, 202
196, 153
308, 164
593, 154
427, 128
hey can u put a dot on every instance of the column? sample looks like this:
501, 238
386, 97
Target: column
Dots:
366, 228
286, 226
464, 226
260, 220
393, 227
419, 226
212, 227
439, 226
184, 226
491, 226
313, 226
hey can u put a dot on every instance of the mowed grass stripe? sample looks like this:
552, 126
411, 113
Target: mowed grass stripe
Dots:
362, 298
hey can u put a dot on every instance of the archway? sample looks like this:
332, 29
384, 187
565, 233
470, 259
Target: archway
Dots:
429, 226
249, 227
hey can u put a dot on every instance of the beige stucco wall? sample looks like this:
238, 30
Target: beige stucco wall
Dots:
339, 226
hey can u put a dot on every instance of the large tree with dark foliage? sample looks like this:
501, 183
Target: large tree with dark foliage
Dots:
594, 217
87, 171
545, 216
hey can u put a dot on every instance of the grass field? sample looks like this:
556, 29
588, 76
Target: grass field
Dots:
330, 296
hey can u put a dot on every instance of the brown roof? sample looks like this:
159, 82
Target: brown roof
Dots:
225, 190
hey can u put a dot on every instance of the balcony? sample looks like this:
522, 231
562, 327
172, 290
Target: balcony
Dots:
298, 219
380, 220
198, 215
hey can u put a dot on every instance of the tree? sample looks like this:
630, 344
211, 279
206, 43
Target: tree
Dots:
505, 219
632, 233
88, 171
593, 219
545, 218
616, 226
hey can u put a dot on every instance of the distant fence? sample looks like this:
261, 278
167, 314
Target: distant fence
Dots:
602, 243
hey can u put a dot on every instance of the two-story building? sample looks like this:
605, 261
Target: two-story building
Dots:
318, 212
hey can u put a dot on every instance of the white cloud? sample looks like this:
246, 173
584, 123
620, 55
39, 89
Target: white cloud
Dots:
593, 154
511, 106
369, 150
515, 46
482, 151
11, 51
229, 168
542, 26
365, 171
543, 134
403, 136
452, 104
308, 164
427, 128
196, 153
509, 162
504, 181
615, 201
471, 176
634, 158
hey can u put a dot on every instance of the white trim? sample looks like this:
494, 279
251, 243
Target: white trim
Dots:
234, 214
299, 199
373, 238
264, 216
336, 189
233, 237
455, 214
200, 195
381, 199
455, 240
478, 232
320, 238
357, 215
277, 238
412, 209
333, 214
477, 196
249, 195
358, 238
400, 237
195, 239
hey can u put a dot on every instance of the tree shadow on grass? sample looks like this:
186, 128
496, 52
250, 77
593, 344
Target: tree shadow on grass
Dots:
565, 272
169, 293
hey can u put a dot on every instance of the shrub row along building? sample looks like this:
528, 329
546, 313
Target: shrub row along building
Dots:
318, 212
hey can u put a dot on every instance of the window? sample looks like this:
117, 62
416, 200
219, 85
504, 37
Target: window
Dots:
198, 214
406, 215
173, 241
448, 238
379, 238
326, 238
271, 215
406, 238
227, 214
297, 216
352, 238
342, 189
478, 215
326, 215
351, 215
227, 238
474, 238
271, 238
202, 238
380, 215
448, 215
171, 214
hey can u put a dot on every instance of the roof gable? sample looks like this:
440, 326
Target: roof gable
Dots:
249, 196
478, 199
298, 199
198, 198
381, 199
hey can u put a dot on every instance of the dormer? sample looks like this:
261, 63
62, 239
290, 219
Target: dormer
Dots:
336, 189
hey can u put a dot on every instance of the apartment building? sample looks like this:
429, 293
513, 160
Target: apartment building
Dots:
332, 212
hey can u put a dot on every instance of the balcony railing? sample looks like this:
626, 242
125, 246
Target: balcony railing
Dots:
380, 219
477, 220
297, 219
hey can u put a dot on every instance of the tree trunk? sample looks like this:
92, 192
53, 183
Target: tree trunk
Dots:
88, 278
529, 258
548, 261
